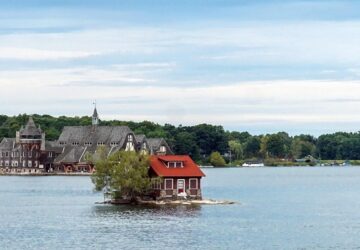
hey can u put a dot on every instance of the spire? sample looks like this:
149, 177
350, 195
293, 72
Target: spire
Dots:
95, 116
30, 129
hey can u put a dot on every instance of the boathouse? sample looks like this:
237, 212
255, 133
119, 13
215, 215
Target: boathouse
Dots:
180, 177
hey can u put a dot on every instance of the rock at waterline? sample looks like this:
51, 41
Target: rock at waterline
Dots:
172, 202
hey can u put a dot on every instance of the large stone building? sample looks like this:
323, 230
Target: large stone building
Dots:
30, 153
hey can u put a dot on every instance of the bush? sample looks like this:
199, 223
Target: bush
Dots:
217, 160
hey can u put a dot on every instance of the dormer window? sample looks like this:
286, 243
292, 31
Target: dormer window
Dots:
100, 143
114, 143
76, 143
130, 143
175, 164
88, 143
62, 143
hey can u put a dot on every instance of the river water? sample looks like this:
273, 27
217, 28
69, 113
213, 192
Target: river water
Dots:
279, 208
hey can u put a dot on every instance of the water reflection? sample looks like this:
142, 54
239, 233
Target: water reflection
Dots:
145, 211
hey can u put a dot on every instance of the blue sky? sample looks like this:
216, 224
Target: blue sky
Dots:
259, 66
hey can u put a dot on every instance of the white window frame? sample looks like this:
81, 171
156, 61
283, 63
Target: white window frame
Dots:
157, 185
177, 185
175, 164
172, 184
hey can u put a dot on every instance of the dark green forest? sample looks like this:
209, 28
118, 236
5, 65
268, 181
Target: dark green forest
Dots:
201, 140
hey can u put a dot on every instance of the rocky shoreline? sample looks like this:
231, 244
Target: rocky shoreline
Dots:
139, 201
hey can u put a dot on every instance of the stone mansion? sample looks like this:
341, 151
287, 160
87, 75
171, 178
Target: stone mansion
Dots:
30, 153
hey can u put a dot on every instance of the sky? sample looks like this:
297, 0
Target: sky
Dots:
257, 66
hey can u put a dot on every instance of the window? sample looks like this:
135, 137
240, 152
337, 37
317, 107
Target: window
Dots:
157, 184
162, 149
169, 184
50, 154
29, 164
100, 143
75, 143
7, 154
114, 143
175, 164
193, 183
88, 143
62, 143
130, 143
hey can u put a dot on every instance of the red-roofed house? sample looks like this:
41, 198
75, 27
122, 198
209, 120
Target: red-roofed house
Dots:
180, 174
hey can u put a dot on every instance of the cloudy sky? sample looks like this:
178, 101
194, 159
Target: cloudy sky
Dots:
257, 66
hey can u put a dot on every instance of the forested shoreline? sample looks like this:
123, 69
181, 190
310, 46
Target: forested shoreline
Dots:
200, 141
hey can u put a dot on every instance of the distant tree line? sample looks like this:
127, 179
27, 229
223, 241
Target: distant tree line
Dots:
202, 140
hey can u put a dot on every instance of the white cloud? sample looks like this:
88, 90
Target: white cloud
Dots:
277, 102
38, 54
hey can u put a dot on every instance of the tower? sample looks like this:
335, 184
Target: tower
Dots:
95, 117
31, 139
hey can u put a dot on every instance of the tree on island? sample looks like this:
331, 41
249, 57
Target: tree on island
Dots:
123, 174
217, 160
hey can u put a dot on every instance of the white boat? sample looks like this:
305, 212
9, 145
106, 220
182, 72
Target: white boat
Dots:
247, 164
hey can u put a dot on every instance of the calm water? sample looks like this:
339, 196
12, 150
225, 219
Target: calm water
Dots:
280, 208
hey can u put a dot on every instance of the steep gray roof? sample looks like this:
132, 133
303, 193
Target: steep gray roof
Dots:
140, 138
71, 154
90, 134
155, 143
31, 129
53, 146
7, 144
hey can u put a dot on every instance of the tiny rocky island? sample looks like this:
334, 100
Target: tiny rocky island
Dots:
128, 177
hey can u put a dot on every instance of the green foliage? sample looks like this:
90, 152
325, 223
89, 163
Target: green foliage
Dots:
200, 140
124, 173
185, 144
300, 148
236, 149
217, 160
252, 147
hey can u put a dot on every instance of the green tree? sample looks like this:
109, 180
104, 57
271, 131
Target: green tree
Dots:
236, 149
252, 147
300, 148
124, 174
185, 144
275, 145
217, 160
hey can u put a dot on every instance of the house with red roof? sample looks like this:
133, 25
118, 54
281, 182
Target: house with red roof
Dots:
180, 175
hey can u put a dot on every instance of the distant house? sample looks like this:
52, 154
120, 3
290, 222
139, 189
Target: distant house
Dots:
152, 146
181, 176
29, 152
